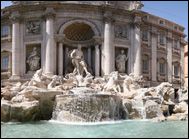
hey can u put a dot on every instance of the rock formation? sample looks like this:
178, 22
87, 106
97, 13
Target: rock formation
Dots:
78, 98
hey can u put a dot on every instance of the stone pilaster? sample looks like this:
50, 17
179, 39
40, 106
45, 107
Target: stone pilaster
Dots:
60, 59
50, 66
154, 43
181, 63
137, 47
108, 47
16, 49
169, 58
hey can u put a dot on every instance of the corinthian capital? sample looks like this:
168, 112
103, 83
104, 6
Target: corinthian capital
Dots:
49, 13
15, 17
137, 21
108, 17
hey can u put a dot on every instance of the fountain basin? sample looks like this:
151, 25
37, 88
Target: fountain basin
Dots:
86, 105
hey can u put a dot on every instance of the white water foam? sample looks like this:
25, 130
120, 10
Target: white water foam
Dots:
96, 123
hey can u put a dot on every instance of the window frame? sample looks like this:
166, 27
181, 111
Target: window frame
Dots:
5, 31
4, 63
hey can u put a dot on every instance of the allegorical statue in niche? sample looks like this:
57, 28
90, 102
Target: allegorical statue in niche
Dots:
121, 61
78, 61
33, 60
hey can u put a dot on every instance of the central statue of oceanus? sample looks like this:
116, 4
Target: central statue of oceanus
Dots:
78, 62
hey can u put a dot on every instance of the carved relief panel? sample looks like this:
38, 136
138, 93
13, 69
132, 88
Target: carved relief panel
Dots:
121, 31
33, 27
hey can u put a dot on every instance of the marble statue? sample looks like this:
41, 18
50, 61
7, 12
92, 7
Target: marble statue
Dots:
37, 79
78, 61
44, 92
121, 61
112, 84
33, 60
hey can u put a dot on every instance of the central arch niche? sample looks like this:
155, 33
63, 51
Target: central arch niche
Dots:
79, 33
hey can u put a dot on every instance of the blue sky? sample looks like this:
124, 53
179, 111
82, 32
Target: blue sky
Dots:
176, 11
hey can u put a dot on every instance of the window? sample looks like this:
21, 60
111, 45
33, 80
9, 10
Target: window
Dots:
176, 70
176, 44
161, 22
4, 31
145, 17
145, 35
4, 63
162, 67
145, 63
162, 39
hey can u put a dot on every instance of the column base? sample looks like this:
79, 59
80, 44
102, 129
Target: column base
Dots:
49, 74
15, 77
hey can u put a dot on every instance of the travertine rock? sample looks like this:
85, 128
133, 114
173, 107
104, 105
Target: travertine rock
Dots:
25, 111
152, 109
112, 97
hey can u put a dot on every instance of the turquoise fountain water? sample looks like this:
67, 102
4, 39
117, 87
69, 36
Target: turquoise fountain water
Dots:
127, 128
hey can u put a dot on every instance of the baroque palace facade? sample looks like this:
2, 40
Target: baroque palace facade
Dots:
114, 35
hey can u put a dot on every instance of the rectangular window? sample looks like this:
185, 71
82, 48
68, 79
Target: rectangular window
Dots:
161, 22
176, 68
4, 63
176, 45
145, 35
162, 39
162, 68
145, 65
4, 31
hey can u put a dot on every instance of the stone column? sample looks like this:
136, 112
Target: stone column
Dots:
50, 45
43, 46
60, 59
181, 62
10, 62
15, 17
131, 50
108, 47
169, 59
89, 55
97, 60
154, 54
22, 51
137, 47
66, 56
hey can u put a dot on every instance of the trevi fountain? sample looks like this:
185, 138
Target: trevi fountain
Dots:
81, 105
